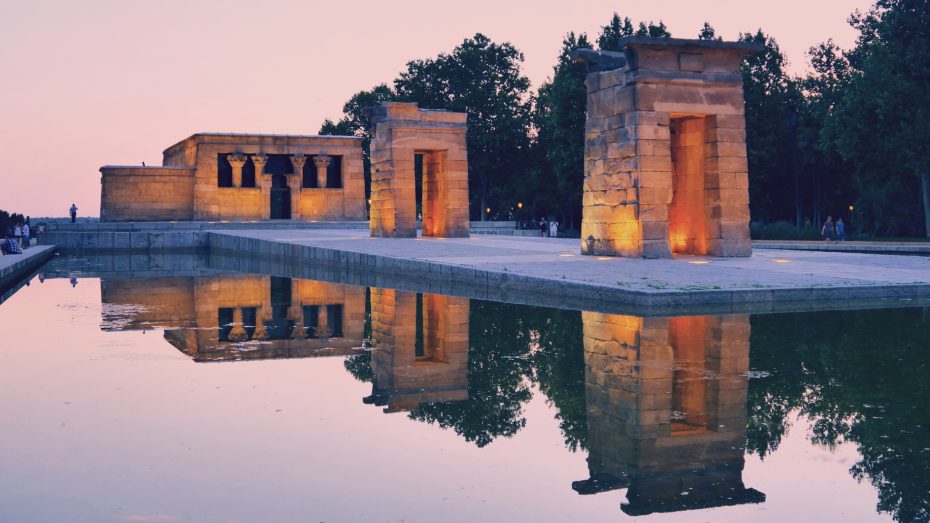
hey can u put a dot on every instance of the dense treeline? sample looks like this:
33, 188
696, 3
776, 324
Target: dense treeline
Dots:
849, 138
8, 220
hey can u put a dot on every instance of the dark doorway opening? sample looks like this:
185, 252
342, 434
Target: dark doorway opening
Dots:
280, 198
279, 328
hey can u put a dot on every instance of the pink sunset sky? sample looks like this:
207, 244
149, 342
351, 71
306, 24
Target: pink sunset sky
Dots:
89, 83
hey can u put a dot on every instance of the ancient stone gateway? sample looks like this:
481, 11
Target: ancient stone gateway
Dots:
665, 150
404, 136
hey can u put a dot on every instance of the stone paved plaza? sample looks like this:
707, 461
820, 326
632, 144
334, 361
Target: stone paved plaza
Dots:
558, 260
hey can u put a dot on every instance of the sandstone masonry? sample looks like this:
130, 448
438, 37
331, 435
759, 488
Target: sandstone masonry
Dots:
241, 177
665, 152
404, 135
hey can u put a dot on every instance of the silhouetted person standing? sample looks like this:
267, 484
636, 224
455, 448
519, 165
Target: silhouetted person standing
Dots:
828, 229
73, 213
840, 230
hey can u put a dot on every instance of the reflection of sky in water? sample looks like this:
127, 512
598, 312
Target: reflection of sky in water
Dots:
105, 424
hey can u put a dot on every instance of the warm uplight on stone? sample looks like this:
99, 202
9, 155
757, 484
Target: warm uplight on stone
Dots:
665, 152
402, 132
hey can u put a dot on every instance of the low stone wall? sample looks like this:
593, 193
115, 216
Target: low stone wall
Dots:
162, 236
14, 267
268, 256
146, 193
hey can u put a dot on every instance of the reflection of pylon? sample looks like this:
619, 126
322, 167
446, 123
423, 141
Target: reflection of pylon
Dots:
298, 332
260, 334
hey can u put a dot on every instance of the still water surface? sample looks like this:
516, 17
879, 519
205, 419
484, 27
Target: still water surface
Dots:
225, 397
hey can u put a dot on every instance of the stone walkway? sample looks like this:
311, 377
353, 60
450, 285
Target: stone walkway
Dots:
13, 267
766, 276
857, 246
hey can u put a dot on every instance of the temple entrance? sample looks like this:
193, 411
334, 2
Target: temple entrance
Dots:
280, 198
430, 191
686, 215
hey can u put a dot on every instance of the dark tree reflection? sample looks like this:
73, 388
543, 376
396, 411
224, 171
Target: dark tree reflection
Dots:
860, 377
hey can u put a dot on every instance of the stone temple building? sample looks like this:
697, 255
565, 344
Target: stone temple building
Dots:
665, 149
211, 176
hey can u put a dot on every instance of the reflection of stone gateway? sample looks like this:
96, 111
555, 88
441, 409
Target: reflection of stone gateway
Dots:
665, 151
666, 400
420, 352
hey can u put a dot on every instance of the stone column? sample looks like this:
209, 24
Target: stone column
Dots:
264, 182
236, 161
296, 182
260, 334
322, 164
296, 312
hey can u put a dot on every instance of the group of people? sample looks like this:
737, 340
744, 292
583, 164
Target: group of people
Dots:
19, 237
833, 231
549, 228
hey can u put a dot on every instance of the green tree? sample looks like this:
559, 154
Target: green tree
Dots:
356, 122
771, 100
483, 79
822, 181
559, 118
619, 28
708, 33
880, 124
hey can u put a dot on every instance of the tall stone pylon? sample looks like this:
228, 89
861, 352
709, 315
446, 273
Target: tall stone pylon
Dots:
665, 149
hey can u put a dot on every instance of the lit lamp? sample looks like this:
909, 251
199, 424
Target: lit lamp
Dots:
851, 208
519, 205
488, 210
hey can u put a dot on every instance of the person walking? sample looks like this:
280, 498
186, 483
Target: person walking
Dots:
73, 213
543, 227
26, 239
840, 230
553, 228
828, 230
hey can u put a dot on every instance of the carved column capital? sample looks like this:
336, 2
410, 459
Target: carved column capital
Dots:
236, 160
259, 160
298, 160
322, 162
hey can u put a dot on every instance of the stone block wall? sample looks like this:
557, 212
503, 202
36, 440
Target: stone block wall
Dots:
146, 193
187, 187
253, 203
402, 378
665, 154
402, 131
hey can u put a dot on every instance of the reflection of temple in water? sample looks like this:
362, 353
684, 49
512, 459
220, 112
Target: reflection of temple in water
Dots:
666, 400
420, 350
241, 317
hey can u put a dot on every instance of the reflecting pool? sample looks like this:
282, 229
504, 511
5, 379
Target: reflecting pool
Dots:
177, 391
